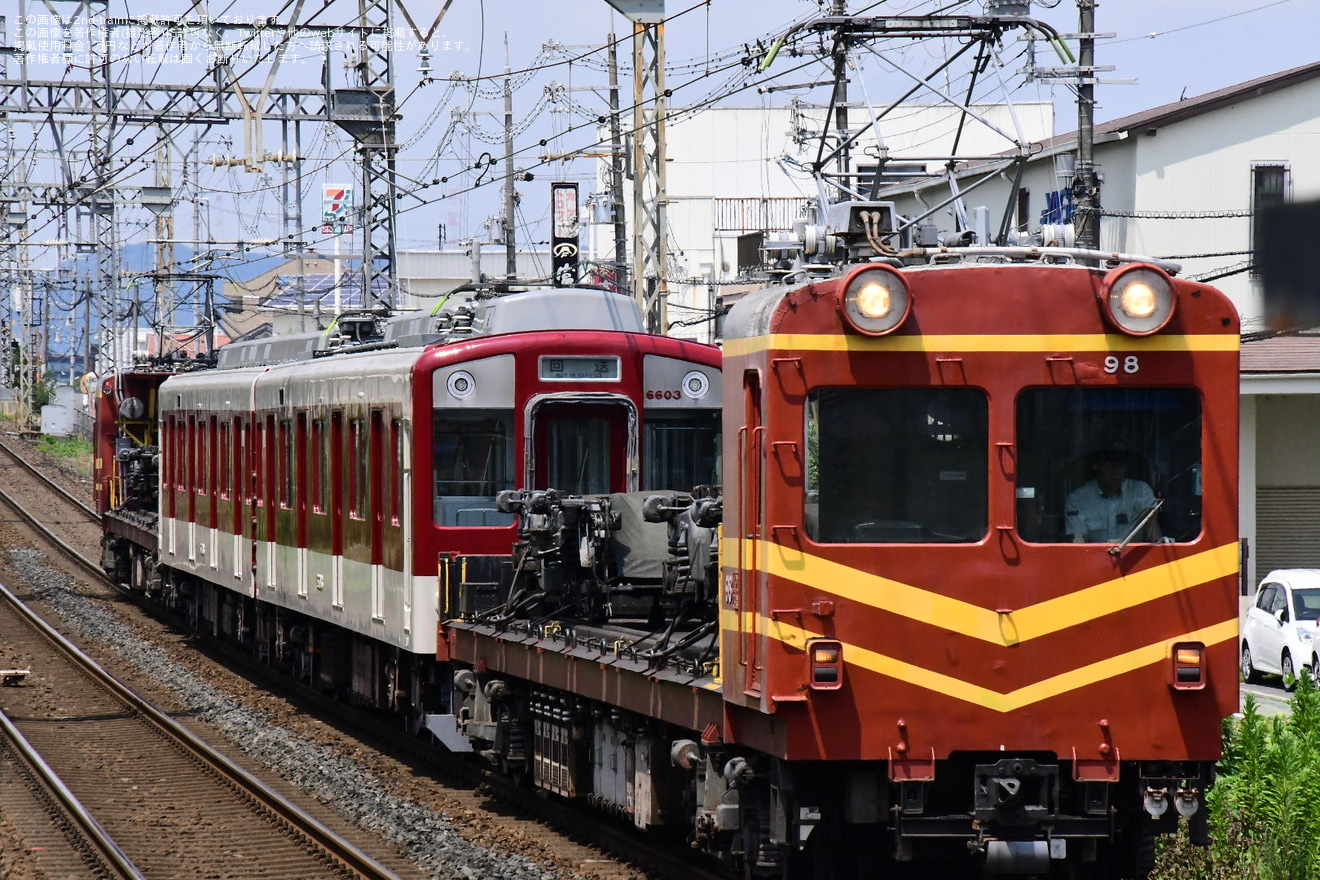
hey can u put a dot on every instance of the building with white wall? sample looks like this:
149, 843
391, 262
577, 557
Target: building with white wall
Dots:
735, 173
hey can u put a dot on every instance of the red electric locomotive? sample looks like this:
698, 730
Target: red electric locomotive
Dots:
306, 495
985, 570
975, 605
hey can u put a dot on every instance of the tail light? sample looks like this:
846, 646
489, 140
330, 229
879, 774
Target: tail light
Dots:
1188, 666
826, 661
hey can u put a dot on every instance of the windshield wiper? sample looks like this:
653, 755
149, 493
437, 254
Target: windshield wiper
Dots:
1136, 529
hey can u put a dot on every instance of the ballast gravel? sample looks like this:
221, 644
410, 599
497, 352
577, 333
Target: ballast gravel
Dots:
427, 837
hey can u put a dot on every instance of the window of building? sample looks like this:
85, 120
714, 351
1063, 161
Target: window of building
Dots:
1269, 187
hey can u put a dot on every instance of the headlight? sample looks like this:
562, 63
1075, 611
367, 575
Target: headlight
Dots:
1138, 299
461, 384
1306, 634
695, 385
875, 300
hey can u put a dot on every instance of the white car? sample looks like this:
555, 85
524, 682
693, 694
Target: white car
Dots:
1281, 634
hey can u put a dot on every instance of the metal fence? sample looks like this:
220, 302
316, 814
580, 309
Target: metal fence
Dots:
755, 215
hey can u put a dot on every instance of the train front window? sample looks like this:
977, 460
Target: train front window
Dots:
1093, 461
583, 447
896, 465
682, 449
577, 456
473, 456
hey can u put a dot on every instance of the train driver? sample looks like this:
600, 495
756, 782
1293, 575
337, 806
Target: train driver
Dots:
1107, 507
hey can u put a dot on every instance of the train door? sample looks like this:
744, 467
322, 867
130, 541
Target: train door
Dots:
173, 469
751, 452
229, 503
270, 493
301, 452
213, 456
240, 492
399, 514
376, 508
258, 477
584, 447
194, 485
338, 462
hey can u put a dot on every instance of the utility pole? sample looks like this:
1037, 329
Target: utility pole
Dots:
1086, 186
162, 208
510, 197
840, 96
649, 252
616, 175
11, 231
103, 232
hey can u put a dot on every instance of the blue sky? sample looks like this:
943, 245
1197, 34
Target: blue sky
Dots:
1169, 46
1172, 48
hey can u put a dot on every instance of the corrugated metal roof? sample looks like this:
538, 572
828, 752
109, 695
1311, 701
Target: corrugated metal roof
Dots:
1295, 353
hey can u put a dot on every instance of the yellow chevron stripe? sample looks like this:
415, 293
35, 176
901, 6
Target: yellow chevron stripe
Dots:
937, 682
1003, 342
1008, 628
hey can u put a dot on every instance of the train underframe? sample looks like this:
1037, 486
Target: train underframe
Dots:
977, 813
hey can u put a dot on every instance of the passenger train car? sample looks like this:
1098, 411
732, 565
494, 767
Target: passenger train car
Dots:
829, 614
302, 497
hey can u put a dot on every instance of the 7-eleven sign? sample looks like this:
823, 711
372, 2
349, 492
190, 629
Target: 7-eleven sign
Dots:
336, 201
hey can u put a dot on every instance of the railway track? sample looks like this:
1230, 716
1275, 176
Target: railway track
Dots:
173, 805
52, 510
69, 841
523, 815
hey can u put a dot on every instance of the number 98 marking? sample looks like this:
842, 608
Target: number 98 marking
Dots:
1129, 364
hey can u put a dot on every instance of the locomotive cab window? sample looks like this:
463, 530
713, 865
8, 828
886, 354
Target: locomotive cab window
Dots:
1092, 462
473, 461
682, 449
899, 465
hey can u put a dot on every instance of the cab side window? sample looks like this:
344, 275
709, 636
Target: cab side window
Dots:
1265, 601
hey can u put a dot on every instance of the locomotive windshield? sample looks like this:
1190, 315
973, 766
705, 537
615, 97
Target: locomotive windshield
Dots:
899, 465
682, 449
473, 455
1093, 461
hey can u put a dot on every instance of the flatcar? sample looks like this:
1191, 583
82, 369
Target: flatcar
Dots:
303, 497
913, 628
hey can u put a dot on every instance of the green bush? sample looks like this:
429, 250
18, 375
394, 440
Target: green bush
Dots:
1265, 806
65, 447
